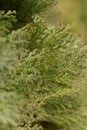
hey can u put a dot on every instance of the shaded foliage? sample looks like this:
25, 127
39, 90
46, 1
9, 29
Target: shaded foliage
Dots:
25, 8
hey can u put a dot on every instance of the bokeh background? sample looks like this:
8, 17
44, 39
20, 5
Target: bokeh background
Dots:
72, 12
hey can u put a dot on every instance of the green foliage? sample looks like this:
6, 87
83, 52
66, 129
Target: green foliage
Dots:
9, 105
39, 38
47, 75
42, 69
9, 113
25, 8
7, 57
6, 22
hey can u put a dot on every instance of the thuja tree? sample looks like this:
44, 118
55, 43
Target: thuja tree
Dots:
51, 64
45, 90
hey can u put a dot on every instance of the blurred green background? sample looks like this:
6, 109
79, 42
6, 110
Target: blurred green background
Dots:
72, 12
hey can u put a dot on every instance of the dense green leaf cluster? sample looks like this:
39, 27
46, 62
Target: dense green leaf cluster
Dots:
43, 76
46, 74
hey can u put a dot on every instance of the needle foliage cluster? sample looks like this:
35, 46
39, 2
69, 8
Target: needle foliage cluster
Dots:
43, 74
